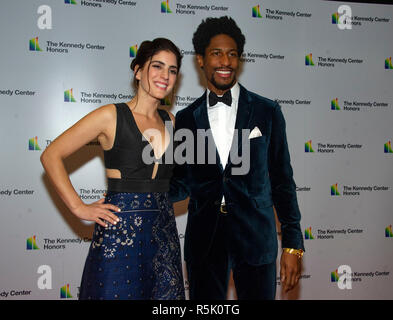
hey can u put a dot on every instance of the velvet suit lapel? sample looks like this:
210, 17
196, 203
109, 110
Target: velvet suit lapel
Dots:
200, 114
243, 117
202, 122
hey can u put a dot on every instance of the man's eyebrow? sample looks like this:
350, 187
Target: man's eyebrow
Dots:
220, 49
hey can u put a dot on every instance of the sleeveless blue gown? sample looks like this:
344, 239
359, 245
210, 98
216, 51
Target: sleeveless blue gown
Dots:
139, 258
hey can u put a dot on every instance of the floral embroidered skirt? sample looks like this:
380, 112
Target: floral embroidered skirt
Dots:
139, 258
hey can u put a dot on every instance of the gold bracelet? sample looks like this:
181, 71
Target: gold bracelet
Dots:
298, 252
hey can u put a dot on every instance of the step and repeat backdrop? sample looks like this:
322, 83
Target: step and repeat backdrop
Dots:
327, 63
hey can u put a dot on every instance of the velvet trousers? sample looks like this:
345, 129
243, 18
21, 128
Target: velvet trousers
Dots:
208, 279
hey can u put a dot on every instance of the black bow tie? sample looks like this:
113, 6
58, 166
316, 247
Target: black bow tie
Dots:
226, 98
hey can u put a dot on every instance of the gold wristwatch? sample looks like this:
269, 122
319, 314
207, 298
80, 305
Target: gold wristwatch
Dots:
298, 252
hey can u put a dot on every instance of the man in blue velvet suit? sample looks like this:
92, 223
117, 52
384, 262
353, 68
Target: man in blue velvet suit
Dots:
231, 222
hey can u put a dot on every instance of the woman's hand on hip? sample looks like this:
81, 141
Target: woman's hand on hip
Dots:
98, 211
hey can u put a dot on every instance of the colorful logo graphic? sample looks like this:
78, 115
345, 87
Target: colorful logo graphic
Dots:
33, 144
308, 234
255, 12
334, 276
69, 96
308, 147
343, 17
31, 243
343, 277
388, 63
334, 105
309, 61
334, 190
70, 1
335, 18
65, 292
33, 45
165, 7
388, 232
388, 147
133, 51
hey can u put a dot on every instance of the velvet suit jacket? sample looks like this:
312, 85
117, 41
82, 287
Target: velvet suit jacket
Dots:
249, 197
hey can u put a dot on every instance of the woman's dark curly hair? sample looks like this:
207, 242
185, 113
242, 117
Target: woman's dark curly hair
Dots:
215, 26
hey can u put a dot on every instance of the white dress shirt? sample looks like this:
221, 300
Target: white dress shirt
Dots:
222, 119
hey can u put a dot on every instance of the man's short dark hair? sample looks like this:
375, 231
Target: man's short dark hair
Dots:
211, 27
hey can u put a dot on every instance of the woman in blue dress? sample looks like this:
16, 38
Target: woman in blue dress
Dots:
135, 250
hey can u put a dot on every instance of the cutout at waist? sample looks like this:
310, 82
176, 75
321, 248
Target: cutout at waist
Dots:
138, 185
